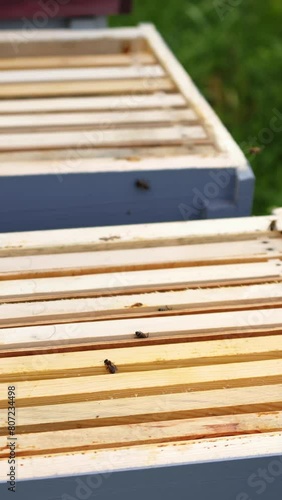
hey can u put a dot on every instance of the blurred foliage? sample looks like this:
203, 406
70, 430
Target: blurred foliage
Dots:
233, 51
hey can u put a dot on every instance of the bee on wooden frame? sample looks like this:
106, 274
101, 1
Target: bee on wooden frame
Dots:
273, 226
141, 335
111, 367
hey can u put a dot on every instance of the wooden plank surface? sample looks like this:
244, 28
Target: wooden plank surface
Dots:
97, 160
137, 236
79, 74
101, 138
139, 281
144, 358
146, 433
61, 121
142, 305
162, 407
63, 105
74, 61
74, 88
191, 452
75, 263
66, 42
116, 330
99, 387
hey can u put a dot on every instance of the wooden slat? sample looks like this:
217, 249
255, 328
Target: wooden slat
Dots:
147, 456
146, 409
63, 105
147, 433
79, 74
97, 160
143, 305
109, 159
136, 236
99, 387
139, 259
60, 121
39, 348
101, 138
74, 88
74, 61
52, 366
66, 42
114, 330
139, 281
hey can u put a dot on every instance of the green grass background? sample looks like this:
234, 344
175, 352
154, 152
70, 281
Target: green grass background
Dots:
236, 61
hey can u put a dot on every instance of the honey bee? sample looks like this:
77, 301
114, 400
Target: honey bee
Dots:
141, 335
164, 308
255, 150
273, 226
142, 184
110, 366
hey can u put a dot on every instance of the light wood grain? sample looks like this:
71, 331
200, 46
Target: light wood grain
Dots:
136, 236
73, 61
116, 330
75, 88
80, 121
63, 105
101, 138
141, 305
97, 160
147, 409
79, 74
79, 263
121, 283
139, 457
121, 385
66, 42
93, 160
151, 432
141, 358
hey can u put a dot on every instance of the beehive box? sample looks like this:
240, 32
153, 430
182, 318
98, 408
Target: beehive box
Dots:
106, 128
195, 405
38, 14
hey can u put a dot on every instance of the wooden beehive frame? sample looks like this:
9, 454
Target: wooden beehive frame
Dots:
100, 101
206, 385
